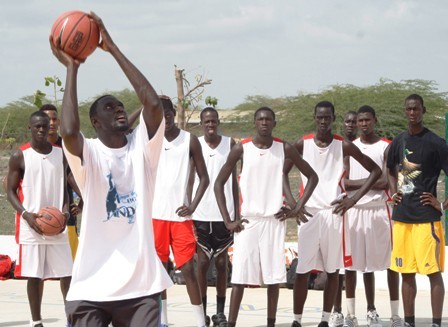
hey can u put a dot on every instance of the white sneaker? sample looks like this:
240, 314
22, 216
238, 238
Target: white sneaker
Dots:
350, 321
396, 321
336, 320
373, 319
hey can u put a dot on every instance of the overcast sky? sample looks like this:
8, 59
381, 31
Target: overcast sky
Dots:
272, 48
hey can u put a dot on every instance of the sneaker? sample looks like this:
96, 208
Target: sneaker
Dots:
207, 321
406, 324
350, 321
336, 320
396, 321
163, 325
295, 323
373, 319
434, 325
219, 320
323, 324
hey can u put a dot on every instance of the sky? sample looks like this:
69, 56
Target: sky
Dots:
246, 47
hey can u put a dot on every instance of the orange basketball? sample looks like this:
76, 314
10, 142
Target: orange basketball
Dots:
51, 220
79, 34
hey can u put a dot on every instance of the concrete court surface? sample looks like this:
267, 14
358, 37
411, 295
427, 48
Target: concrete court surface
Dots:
14, 310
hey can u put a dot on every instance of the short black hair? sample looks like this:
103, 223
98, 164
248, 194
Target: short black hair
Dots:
208, 109
416, 97
167, 104
39, 114
367, 108
48, 107
324, 104
94, 107
264, 109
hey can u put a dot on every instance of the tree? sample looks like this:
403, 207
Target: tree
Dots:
39, 96
188, 97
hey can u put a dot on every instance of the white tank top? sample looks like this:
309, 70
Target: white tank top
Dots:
376, 153
261, 179
328, 163
172, 178
42, 185
207, 209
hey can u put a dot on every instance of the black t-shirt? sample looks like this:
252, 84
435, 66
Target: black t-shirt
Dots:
419, 159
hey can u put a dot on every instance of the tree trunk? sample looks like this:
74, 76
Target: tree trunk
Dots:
180, 98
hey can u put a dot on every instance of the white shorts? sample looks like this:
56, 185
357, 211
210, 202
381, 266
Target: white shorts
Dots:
259, 253
323, 243
45, 261
370, 237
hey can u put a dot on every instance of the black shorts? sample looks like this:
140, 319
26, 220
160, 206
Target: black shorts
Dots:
213, 237
137, 312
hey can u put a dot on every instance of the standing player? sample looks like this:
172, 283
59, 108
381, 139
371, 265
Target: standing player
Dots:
172, 222
370, 225
54, 138
350, 126
36, 179
213, 236
258, 251
117, 276
415, 160
349, 132
322, 240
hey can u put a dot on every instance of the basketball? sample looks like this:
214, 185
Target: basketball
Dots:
51, 220
79, 34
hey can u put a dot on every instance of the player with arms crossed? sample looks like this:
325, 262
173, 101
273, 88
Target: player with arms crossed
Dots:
323, 241
258, 251
370, 225
117, 276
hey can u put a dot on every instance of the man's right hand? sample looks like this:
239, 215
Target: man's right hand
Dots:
396, 198
236, 226
30, 218
63, 57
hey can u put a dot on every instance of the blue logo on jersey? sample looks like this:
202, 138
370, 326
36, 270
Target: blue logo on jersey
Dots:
120, 205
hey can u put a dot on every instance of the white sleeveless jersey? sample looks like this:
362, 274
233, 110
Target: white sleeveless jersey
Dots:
328, 163
172, 178
42, 185
261, 179
207, 209
116, 258
376, 153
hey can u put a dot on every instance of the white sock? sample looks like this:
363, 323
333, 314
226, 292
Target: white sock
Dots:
34, 323
164, 313
198, 310
298, 318
325, 316
394, 308
351, 306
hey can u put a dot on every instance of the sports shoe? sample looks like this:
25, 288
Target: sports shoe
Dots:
434, 325
219, 320
396, 321
350, 321
207, 321
163, 325
295, 323
336, 320
373, 319
323, 324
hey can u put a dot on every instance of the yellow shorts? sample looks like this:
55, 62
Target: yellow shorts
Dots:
418, 248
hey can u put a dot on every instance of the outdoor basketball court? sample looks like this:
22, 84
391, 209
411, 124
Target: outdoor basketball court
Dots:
14, 310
